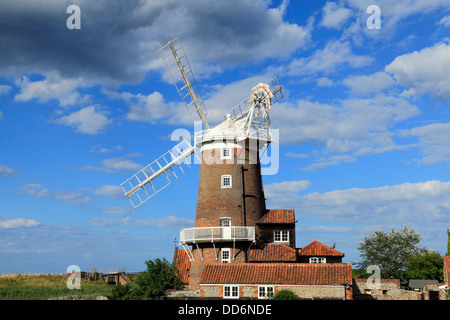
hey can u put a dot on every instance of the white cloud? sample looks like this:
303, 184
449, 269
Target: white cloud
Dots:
393, 11
422, 203
18, 223
87, 120
121, 163
109, 191
426, 71
285, 190
335, 55
39, 191
5, 171
445, 21
331, 161
334, 15
366, 85
53, 87
434, 141
345, 126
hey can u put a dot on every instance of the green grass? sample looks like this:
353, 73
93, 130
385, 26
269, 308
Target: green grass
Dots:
44, 287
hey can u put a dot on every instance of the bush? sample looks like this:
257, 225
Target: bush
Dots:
120, 292
285, 294
153, 283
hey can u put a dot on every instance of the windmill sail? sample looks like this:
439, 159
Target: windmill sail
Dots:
153, 178
180, 71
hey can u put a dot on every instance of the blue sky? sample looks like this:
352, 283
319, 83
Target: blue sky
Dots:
364, 125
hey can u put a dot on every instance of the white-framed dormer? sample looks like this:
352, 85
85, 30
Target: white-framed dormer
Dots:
317, 260
281, 236
226, 181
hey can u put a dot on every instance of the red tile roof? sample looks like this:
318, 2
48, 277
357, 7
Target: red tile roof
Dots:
316, 249
447, 269
182, 263
277, 273
273, 253
278, 216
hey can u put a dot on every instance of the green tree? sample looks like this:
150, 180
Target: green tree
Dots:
427, 265
391, 251
153, 283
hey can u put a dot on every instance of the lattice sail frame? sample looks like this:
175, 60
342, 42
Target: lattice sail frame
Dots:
253, 112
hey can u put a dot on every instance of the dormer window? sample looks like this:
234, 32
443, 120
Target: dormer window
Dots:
281, 236
226, 181
317, 260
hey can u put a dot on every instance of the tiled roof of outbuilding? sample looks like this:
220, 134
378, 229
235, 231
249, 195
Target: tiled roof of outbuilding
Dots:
273, 253
277, 273
278, 216
318, 249
182, 263
447, 269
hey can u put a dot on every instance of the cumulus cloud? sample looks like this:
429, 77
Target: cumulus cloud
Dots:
393, 11
53, 87
344, 126
87, 120
421, 203
433, 141
334, 15
334, 56
426, 71
369, 84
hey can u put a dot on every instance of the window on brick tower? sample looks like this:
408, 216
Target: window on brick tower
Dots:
281, 236
225, 256
226, 181
226, 153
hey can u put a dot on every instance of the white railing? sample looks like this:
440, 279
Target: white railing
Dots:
216, 234
230, 134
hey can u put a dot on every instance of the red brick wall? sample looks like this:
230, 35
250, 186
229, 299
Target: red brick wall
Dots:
214, 202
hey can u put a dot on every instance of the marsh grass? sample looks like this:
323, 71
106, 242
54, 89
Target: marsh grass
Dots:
44, 287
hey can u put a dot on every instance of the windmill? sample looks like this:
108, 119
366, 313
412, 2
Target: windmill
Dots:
247, 120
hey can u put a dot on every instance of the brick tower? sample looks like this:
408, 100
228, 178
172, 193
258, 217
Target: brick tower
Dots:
230, 201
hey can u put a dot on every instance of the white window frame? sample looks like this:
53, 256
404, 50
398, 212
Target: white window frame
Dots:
281, 236
263, 292
225, 222
230, 292
223, 179
226, 153
317, 260
225, 251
